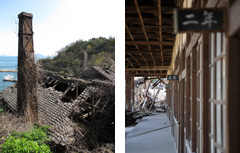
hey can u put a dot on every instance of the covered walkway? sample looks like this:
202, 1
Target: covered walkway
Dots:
160, 141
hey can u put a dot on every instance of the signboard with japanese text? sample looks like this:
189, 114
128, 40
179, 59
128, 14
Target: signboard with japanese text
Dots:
199, 20
168, 85
172, 77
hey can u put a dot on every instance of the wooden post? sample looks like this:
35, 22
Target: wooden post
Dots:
132, 91
205, 93
128, 76
233, 96
77, 92
187, 98
27, 76
193, 100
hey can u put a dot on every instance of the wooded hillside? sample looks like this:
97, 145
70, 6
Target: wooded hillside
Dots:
69, 60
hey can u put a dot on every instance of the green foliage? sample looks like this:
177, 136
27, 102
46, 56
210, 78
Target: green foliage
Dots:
69, 59
31, 141
61, 72
1, 110
102, 59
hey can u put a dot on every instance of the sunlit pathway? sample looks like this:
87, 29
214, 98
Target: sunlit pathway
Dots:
160, 141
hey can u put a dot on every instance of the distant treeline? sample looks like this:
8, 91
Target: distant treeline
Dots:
100, 52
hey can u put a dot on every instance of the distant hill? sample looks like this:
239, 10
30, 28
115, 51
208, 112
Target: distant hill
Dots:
100, 52
40, 56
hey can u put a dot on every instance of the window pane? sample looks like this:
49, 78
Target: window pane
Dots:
218, 44
212, 145
212, 118
218, 81
219, 124
224, 125
223, 78
212, 82
212, 47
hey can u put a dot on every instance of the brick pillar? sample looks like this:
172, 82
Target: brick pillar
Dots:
27, 76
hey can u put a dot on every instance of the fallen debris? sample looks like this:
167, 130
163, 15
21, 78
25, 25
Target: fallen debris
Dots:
131, 118
81, 112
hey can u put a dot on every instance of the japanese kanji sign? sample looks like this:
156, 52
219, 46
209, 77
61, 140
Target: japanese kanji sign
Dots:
172, 77
168, 85
199, 20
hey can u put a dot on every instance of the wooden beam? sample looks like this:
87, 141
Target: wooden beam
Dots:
158, 68
135, 60
160, 30
149, 9
148, 51
156, 56
129, 31
143, 29
130, 34
144, 59
141, 19
158, 26
135, 45
136, 30
135, 20
163, 75
170, 37
130, 63
149, 42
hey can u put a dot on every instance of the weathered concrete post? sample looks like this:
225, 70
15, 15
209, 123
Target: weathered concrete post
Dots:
84, 61
27, 79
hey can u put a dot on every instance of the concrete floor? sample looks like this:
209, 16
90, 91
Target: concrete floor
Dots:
160, 141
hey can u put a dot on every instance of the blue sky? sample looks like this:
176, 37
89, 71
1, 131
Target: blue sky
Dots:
56, 23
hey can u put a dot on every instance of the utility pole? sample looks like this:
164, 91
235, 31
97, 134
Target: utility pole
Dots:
27, 74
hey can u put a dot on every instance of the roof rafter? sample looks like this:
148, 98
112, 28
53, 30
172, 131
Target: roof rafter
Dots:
143, 28
149, 42
160, 29
135, 44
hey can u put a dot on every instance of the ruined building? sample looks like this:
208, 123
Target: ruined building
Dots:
203, 102
80, 112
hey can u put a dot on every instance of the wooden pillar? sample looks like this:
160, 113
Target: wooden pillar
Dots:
181, 126
205, 93
193, 100
187, 98
27, 75
181, 104
128, 77
233, 95
132, 91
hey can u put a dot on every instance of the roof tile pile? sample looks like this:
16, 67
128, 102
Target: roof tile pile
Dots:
52, 111
54, 106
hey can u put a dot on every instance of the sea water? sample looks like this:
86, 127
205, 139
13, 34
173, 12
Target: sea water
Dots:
7, 62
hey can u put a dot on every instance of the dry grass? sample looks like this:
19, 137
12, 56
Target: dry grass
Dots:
10, 123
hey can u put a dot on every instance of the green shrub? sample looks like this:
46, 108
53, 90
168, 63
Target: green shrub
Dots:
61, 72
1, 110
31, 141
